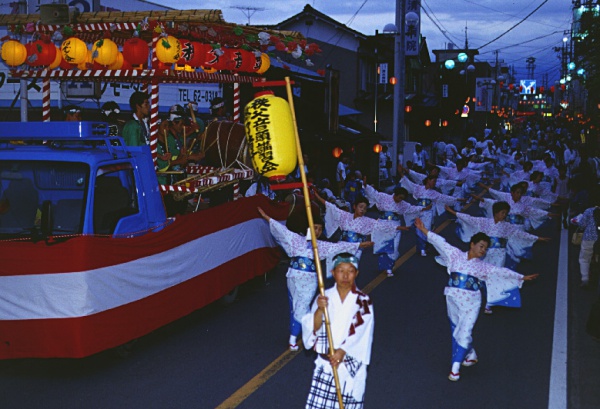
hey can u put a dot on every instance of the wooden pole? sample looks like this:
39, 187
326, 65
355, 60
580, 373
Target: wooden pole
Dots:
313, 237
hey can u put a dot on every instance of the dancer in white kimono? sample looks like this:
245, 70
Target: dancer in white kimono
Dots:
356, 227
523, 211
426, 196
302, 274
391, 208
352, 322
508, 244
468, 274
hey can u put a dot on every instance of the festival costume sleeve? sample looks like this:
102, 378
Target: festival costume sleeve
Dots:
441, 201
441, 245
408, 185
384, 231
503, 283
416, 176
498, 195
287, 239
535, 216
446, 186
410, 212
332, 218
538, 202
486, 207
467, 226
372, 195
328, 250
520, 243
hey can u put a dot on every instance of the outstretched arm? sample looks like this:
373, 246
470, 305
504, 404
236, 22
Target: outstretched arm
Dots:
421, 226
263, 214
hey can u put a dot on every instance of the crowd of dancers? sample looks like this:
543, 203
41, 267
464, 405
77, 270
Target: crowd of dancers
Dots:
515, 189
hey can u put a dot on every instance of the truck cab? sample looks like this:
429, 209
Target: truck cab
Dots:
72, 178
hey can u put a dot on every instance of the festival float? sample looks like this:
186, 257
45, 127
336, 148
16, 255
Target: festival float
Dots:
90, 261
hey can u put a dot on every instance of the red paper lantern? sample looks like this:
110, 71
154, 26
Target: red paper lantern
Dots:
563, 87
136, 51
377, 148
40, 53
427, 122
511, 86
192, 53
552, 89
408, 109
542, 89
337, 152
212, 58
252, 63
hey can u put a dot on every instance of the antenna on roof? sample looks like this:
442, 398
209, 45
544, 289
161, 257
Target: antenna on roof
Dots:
248, 11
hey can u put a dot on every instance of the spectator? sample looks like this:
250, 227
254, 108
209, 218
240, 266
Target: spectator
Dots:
136, 131
110, 112
72, 113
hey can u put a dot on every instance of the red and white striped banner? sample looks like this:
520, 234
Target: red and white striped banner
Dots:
236, 101
88, 294
46, 100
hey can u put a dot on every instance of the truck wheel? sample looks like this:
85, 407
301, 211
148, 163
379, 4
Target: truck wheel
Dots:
230, 297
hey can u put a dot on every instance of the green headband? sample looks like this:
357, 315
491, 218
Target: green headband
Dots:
339, 260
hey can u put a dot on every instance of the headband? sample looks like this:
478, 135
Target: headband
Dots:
219, 105
351, 259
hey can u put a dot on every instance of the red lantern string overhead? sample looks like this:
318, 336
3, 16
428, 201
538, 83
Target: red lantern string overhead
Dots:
136, 51
552, 89
40, 53
192, 53
542, 89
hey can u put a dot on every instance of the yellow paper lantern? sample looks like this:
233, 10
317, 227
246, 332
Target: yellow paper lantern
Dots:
118, 62
168, 50
74, 51
57, 59
209, 70
270, 135
88, 61
265, 64
105, 51
13, 53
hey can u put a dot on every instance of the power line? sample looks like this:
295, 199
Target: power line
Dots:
510, 29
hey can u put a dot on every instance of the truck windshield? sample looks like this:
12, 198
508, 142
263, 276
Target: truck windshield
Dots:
42, 198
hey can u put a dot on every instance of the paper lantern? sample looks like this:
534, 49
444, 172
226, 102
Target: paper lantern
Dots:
105, 51
552, 89
14, 53
427, 122
136, 51
41, 53
265, 63
87, 63
118, 63
163, 66
192, 53
408, 109
209, 70
168, 50
337, 152
377, 148
270, 134
74, 51
57, 59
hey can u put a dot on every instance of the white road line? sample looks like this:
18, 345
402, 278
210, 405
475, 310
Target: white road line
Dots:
557, 398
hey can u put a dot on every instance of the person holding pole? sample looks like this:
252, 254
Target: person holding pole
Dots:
352, 322
302, 274
468, 275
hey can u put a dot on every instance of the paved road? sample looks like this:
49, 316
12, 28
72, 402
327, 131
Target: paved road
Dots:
226, 356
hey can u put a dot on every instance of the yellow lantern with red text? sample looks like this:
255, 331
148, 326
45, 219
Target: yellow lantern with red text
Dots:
270, 134
168, 50
105, 51
13, 53
74, 50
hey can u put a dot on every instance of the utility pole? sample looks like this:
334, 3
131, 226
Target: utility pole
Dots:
248, 11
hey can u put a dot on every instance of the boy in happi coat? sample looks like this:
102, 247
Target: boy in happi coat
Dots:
468, 275
352, 322
302, 274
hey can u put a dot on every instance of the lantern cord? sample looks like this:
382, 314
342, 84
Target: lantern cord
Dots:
313, 237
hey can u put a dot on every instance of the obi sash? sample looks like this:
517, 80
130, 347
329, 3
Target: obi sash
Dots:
498, 243
390, 216
465, 282
423, 202
353, 237
515, 219
303, 264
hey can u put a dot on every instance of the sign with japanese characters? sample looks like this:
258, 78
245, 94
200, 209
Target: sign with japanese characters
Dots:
412, 32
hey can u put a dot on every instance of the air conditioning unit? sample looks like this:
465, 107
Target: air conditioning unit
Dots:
57, 14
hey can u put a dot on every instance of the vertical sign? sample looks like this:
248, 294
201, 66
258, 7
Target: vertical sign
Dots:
412, 32
444, 90
383, 73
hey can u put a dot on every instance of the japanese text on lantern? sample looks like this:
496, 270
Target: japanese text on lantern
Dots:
259, 135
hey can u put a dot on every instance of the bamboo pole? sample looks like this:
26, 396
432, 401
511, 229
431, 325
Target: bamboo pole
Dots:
313, 237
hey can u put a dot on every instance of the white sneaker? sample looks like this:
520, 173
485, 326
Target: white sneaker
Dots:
423, 253
454, 376
294, 347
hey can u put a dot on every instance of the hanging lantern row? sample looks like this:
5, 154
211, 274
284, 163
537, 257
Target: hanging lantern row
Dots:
184, 54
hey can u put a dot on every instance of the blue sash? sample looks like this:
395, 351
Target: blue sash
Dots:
465, 282
498, 243
303, 264
515, 219
390, 216
353, 237
423, 202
